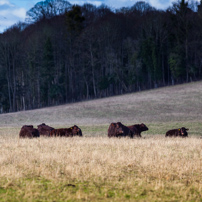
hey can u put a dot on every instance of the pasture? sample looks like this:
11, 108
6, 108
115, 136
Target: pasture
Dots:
96, 168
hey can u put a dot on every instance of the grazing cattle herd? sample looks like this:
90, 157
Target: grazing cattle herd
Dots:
115, 130
45, 130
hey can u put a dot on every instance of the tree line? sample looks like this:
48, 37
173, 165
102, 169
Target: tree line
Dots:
67, 53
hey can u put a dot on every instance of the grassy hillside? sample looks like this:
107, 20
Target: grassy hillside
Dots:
96, 168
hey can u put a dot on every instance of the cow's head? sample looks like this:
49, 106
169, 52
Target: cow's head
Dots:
75, 129
112, 126
143, 127
119, 125
183, 131
43, 124
119, 128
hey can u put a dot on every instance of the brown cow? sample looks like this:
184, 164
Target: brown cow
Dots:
119, 130
180, 132
125, 129
44, 129
138, 128
66, 132
113, 131
28, 131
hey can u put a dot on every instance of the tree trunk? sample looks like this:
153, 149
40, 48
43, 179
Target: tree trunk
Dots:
38, 88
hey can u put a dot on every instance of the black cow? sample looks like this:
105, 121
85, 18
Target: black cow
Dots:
180, 132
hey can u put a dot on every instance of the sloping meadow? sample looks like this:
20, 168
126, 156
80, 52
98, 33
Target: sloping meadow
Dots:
97, 168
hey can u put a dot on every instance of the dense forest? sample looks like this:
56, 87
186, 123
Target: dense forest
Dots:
67, 53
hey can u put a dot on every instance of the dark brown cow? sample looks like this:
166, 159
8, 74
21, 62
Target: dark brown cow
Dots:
125, 129
113, 131
137, 129
119, 130
44, 129
66, 132
180, 132
28, 131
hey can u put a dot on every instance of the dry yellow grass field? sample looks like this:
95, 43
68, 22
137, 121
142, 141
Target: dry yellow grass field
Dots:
96, 168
